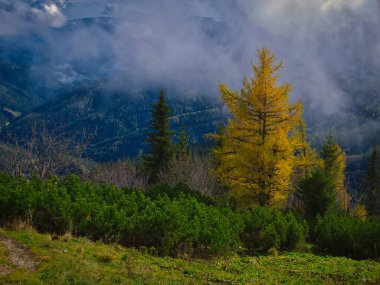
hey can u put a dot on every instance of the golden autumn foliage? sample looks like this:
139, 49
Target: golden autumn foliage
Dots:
263, 145
359, 211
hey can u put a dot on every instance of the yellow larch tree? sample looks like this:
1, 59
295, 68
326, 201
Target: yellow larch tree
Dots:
306, 157
261, 145
306, 160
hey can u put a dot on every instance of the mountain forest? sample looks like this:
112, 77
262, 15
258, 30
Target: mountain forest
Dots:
201, 144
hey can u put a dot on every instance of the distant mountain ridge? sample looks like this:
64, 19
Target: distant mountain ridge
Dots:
117, 122
37, 82
15, 96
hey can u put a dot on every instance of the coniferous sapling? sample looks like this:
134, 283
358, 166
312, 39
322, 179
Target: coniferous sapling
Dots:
371, 184
183, 143
317, 193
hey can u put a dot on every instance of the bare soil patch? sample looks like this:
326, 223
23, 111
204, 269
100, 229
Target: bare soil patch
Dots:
4, 270
19, 255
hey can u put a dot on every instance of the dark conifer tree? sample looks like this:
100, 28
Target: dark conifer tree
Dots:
371, 184
317, 192
159, 140
183, 143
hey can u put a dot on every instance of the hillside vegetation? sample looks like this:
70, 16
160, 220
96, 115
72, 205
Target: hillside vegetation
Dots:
177, 221
178, 215
67, 260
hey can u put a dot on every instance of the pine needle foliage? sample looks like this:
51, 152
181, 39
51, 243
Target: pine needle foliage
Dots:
318, 193
183, 143
371, 184
159, 140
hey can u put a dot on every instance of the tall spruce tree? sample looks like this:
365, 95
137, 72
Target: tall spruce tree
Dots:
334, 164
371, 184
256, 152
159, 140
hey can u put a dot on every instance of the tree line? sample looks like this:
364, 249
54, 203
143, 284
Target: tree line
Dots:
262, 187
262, 154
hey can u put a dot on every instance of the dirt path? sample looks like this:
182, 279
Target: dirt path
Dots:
19, 255
4, 270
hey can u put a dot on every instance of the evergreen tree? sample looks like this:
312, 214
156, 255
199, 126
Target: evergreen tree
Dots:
317, 193
256, 152
183, 143
159, 140
334, 165
371, 184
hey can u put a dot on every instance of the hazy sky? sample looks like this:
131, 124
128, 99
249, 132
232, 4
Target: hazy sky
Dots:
325, 44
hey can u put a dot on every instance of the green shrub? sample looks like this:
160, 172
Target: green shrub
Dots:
317, 193
295, 234
347, 236
266, 228
183, 226
12, 198
158, 190
166, 219
173, 222
270, 238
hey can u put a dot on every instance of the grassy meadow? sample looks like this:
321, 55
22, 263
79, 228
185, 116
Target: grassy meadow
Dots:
68, 260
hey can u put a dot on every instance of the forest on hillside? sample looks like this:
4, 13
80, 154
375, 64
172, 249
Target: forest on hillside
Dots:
189, 142
261, 188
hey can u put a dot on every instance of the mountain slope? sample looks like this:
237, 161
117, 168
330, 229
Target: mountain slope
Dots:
64, 260
116, 122
15, 96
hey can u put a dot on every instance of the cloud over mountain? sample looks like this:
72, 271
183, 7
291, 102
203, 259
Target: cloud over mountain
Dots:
326, 44
20, 17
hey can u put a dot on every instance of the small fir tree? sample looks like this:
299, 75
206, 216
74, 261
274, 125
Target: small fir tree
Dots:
159, 140
183, 143
371, 184
317, 193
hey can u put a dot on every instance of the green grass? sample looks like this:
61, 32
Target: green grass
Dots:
80, 261
4, 260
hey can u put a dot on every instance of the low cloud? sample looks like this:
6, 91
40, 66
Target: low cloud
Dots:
21, 17
193, 45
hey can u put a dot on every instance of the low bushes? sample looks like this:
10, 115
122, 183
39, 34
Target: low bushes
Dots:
175, 221
347, 236
177, 224
267, 228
